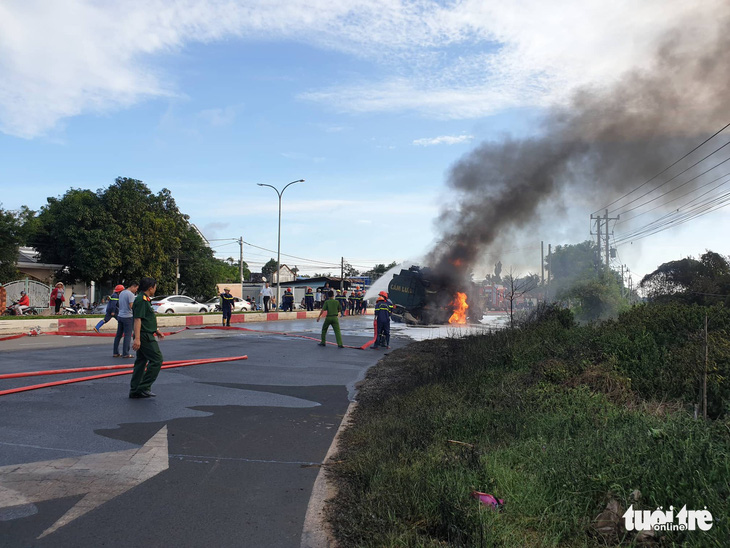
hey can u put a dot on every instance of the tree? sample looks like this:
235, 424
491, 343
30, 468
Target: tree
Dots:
597, 296
11, 236
77, 232
229, 272
518, 287
569, 263
703, 281
378, 270
350, 270
122, 233
267, 271
591, 289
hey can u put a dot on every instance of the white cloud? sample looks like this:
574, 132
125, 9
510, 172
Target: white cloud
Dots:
443, 140
218, 117
455, 60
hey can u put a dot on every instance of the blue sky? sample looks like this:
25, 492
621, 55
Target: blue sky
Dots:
370, 101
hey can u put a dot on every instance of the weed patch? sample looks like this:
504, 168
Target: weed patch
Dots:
554, 418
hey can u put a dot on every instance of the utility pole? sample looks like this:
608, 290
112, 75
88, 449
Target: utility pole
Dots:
704, 379
240, 261
606, 218
622, 280
598, 235
342, 273
177, 275
550, 254
542, 262
606, 243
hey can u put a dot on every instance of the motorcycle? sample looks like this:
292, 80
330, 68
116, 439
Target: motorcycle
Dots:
75, 309
30, 311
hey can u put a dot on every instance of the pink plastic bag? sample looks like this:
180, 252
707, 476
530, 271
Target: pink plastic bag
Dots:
488, 500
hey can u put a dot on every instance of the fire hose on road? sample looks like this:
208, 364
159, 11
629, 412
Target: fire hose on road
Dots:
126, 369
165, 365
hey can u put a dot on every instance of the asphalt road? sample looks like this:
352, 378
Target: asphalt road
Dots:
225, 455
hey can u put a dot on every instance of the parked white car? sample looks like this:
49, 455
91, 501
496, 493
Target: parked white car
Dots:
177, 304
239, 304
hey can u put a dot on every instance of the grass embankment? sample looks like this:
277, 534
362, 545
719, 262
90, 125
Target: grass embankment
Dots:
563, 420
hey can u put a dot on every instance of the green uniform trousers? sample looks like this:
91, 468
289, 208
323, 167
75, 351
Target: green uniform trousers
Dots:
335, 323
147, 365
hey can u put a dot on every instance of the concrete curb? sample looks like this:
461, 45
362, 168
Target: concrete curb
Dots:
81, 323
316, 532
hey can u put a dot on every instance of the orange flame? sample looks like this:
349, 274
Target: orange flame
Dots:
460, 307
457, 262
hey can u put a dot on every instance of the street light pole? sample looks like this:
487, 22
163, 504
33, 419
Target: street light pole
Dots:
278, 241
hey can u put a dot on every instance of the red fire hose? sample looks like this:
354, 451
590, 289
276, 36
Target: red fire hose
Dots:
105, 368
375, 328
166, 365
76, 334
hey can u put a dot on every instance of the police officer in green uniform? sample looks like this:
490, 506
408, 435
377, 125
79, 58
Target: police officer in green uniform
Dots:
149, 358
332, 308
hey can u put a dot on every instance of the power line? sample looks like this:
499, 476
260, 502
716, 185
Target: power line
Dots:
682, 196
671, 179
292, 256
665, 169
696, 211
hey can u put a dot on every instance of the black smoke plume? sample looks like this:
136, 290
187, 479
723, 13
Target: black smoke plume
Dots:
602, 144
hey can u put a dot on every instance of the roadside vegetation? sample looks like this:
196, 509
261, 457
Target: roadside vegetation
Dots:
569, 424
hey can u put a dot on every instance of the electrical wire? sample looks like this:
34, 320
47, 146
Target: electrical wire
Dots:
698, 210
621, 210
682, 196
665, 169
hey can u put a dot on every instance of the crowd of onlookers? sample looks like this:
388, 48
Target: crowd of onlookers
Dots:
352, 302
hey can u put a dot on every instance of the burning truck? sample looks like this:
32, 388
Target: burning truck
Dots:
420, 297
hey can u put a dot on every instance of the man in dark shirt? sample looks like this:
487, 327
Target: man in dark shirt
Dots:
309, 299
383, 311
342, 299
287, 300
149, 358
332, 308
227, 305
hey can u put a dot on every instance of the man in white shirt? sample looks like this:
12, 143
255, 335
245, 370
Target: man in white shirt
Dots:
266, 295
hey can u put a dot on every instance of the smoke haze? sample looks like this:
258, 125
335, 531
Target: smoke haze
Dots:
604, 143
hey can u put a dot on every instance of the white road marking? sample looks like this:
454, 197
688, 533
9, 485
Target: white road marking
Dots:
99, 477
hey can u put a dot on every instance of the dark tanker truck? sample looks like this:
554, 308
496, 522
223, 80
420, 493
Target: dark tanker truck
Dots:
420, 298
417, 299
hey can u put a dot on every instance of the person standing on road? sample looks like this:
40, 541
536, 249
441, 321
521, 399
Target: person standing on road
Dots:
309, 299
266, 295
318, 299
351, 303
125, 321
287, 300
149, 358
383, 311
227, 304
57, 297
342, 299
112, 307
332, 308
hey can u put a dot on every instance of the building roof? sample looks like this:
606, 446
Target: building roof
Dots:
28, 257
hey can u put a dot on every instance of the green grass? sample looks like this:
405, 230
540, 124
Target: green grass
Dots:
557, 431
